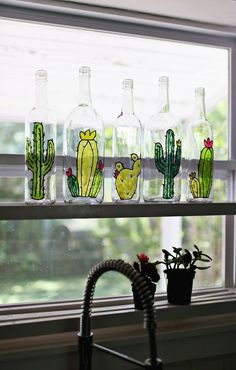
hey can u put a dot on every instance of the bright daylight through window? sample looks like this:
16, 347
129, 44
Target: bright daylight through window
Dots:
49, 259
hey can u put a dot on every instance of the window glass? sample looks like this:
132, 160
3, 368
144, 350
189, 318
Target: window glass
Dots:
49, 259
26, 47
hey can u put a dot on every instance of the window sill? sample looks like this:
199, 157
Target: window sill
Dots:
21, 211
57, 317
39, 330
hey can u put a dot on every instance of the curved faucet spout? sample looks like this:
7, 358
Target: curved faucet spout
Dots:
140, 284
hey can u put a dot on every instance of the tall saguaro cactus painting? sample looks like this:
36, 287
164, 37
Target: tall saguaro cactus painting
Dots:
169, 163
89, 177
38, 161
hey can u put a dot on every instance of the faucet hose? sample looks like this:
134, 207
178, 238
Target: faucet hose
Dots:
142, 289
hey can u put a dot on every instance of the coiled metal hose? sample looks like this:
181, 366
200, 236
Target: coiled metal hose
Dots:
142, 288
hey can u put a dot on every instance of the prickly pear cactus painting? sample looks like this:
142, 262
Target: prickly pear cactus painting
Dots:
89, 177
168, 164
39, 162
200, 186
126, 179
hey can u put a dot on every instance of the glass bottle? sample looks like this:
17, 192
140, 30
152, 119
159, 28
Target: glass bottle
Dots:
40, 149
162, 152
126, 150
83, 149
200, 153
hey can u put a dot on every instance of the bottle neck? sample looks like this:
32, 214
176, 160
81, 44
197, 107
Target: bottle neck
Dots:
40, 93
127, 101
163, 104
200, 108
84, 91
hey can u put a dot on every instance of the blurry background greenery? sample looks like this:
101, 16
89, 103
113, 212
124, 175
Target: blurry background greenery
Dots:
49, 259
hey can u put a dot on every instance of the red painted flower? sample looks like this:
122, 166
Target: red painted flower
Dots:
143, 257
69, 172
101, 165
208, 143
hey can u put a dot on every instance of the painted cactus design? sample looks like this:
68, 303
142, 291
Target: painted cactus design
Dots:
97, 182
126, 179
88, 181
87, 159
72, 183
169, 164
38, 162
201, 187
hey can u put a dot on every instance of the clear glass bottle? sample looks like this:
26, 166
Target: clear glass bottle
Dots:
200, 153
40, 149
162, 152
83, 149
126, 150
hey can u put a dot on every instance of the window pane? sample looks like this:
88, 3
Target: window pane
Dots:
26, 47
50, 259
206, 233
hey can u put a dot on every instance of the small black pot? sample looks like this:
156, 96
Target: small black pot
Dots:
179, 286
137, 301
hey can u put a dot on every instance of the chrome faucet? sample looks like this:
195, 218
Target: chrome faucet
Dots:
85, 336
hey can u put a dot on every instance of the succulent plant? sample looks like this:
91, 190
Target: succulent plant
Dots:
146, 268
184, 258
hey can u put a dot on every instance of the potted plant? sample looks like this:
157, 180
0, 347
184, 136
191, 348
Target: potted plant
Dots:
180, 271
149, 271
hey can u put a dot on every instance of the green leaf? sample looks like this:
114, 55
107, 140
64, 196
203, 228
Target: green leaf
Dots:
203, 260
196, 247
167, 253
205, 255
177, 250
202, 268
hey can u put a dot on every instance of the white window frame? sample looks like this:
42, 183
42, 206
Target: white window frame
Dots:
62, 317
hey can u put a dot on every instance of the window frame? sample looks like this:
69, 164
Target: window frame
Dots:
124, 22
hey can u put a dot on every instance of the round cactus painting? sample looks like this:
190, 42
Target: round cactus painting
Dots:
126, 179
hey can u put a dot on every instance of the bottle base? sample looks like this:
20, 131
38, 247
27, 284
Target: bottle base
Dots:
43, 202
199, 200
161, 200
125, 201
83, 200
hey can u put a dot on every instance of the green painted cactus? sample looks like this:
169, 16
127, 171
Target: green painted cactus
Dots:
37, 162
72, 183
169, 164
201, 187
97, 182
